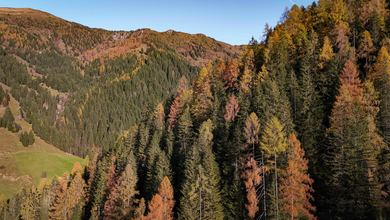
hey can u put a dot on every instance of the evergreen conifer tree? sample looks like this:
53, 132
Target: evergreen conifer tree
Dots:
354, 147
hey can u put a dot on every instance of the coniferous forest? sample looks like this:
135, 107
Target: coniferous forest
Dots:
295, 125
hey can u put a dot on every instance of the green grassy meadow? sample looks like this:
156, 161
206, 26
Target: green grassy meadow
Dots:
22, 166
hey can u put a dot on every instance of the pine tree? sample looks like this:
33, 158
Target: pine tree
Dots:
230, 75
247, 75
152, 154
365, 49
203, 98
27, 138
341, 34
213, 203
75, 193
372, 15
157, 163
379, 75
326, 52
122, 196
251, 131
30, 205
354, 147
384, 178
182, 85
24, 139
178, 106
125, 146
8, 120
229, 142
200, 189
296, 185
252, 179
310, 107
4, 97
182, 146
31, 138
58, 205
141, 143
92, 166
158, 166
231, 109
162, 203
269, 100
184, 131
174, 112
188, 201
273, 142
277, 60
104, 180
159, 117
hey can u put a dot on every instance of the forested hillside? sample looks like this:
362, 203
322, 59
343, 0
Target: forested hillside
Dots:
296, 127
80, 87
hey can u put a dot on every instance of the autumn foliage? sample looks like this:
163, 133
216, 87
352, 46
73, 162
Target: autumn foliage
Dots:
251, 136
252, 179
296, 187
232, 108
161, 205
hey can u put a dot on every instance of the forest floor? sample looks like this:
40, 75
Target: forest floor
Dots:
22, 166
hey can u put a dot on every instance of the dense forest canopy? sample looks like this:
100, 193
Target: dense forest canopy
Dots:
295, 127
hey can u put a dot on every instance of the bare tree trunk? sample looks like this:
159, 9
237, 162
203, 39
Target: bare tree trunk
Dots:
264, 189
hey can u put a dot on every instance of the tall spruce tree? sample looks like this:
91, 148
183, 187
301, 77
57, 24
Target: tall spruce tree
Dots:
269, 100
380, 76
201, 197
365, 50
328, 78
121, 200
184, 137
352, 154
310, 115
157, 166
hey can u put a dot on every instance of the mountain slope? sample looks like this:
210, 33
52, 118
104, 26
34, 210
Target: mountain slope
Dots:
37, 30
80, 86
22, 166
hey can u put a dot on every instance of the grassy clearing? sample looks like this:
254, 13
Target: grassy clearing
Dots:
43, 164
21, 166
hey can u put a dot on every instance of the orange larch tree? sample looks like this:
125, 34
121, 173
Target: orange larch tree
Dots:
252, 178
353, 149
161, 205
121, 198
231, 109
296, 186
230, 74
